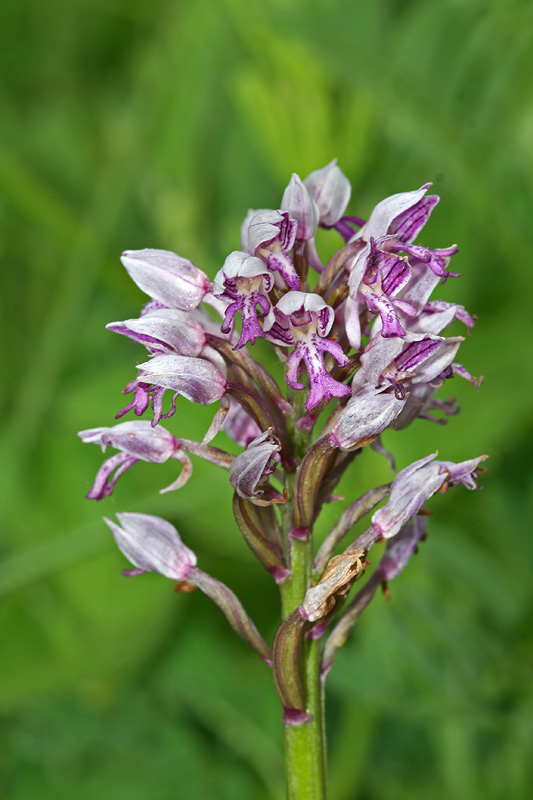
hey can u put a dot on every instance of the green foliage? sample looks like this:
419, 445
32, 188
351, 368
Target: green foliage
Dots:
126, 125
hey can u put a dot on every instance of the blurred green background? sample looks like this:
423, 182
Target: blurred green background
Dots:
128, 124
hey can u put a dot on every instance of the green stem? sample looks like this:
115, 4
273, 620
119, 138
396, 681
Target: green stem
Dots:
305, 744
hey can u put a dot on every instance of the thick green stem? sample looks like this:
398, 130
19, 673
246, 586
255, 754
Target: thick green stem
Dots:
305, 743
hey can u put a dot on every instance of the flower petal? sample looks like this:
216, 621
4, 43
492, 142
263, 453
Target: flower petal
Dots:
167, 277
153, 545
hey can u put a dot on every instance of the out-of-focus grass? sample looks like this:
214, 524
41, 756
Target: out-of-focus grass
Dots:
126, 125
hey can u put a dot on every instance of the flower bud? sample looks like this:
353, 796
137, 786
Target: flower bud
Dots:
368, 412
255, 465
167, 277
301, 207
331, 190
152, 545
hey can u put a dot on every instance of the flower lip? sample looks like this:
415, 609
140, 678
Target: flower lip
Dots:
296, 309
244, 281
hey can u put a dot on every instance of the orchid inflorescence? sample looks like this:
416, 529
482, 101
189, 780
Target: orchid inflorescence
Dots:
360, 330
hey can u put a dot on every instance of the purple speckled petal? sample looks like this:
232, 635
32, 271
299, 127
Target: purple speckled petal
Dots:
244, 280
137, 438
153, 545
331, 190
165, 330
301, 207
247, 305
456, 311
168, 278
368, 412
281, 262
195, 378
378, 303
322, 385
416, 484
408, 224
301, 307
137, 441
268, 227
397, 207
